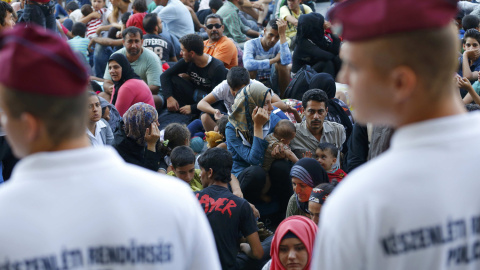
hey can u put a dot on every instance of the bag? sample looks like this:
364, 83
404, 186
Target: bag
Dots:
299, 83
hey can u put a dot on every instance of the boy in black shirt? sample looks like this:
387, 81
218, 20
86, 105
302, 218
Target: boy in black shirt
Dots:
191, 78
229, 216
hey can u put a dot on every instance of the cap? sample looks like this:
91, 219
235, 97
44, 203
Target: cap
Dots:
360, 20
37, 61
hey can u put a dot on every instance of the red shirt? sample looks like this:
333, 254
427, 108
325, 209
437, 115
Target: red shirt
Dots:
337, 175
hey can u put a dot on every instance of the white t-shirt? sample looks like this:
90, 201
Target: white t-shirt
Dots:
76, 15
88, 209
222, 92
416, 206
96, 139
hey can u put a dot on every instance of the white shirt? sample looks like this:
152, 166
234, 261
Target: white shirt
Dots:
177, 17
96, 139
76, 15
222, 92
91, 210
414, 207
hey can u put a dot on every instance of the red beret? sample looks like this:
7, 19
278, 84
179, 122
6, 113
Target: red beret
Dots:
34, 60
367, 19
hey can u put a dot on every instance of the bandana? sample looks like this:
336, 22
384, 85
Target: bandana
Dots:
137, 119
318, 195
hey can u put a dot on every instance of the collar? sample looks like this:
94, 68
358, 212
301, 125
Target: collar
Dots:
231, 5
326, 128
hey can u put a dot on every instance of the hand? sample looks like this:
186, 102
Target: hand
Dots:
256, 213
327, 25
258, 6
260, 116
172, 104
217, 115
184, 76
464, 83
91, 44
307, 154
99, 32
290, 109
278, 152
282, 26
187, 109
472, 54
245, 248
152, 135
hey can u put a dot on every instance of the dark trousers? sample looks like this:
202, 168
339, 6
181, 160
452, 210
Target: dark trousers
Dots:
42, 15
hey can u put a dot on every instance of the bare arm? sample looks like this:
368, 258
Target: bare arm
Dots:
154, 89
465, 83
253, 33
235, 185
89, 17
204, 104
467, 55
254, 248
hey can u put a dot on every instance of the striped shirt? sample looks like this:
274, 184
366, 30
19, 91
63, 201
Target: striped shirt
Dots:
93, 25
79, 44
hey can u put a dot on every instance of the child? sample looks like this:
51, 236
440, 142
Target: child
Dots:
79, 43
98, 129
175, 134
327, 156
220, 128
183, 167
93, 19
283, 133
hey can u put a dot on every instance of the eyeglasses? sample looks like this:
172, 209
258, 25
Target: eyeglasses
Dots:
217, 26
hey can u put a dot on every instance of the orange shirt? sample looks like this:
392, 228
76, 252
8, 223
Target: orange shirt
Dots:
224, 50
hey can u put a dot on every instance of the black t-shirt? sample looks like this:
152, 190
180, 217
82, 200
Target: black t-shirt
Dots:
160, 46
229, 216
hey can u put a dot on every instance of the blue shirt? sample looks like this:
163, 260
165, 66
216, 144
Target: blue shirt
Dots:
244, 156
255, 58
474, 67
79, 44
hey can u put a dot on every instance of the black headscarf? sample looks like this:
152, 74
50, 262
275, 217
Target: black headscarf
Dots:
309, 171
127, 73
310, 26
325, 82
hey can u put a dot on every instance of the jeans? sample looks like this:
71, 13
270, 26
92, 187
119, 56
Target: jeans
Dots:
60, 11
100, 59
42, 15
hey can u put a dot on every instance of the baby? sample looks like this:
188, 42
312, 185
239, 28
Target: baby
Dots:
282, 135
327, 156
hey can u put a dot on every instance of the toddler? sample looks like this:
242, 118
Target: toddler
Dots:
93, 16
327, 156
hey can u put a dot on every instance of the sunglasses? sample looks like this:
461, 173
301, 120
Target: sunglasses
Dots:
217, 26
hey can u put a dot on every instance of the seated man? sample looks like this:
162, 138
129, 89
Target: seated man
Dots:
6, 16
156, 43
230, 217
193, 77
314, 129
265, 54
145, 63
290, 13
218, 45
176, 16
234, 28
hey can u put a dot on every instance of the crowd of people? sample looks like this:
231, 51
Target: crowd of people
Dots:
239, 134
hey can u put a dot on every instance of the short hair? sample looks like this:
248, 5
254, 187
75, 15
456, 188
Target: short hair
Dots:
177, 135
140, 6
4, 8
150, 22
215, 4
472, 107
132, 30
273, 24
79, 29
71, 6
315, 95
86, 9
471, 33
192, 42
470, 21
213, 16
285, 129
182, 156
125, 17
220, 161
237, 77
330, 147
222, 124
51, 110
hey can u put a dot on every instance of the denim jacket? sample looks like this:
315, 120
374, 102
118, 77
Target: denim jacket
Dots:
245, 156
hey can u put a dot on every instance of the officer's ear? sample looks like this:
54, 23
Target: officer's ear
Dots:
404, 82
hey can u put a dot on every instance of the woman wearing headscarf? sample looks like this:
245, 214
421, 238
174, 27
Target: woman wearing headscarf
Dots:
129, 88
138, 135
250, 122
306, 174
292, 245
314, 48
337, 110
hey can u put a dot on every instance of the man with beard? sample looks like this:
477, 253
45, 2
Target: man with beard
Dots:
268, 60
314, 129
218, 45
145, 63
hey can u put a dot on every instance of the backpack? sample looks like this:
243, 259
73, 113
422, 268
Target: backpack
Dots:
299, 83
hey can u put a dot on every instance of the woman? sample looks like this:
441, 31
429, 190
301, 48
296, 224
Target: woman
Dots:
317, 199
292, 245
250, 122
98, 130
138, 135
314, 48
306, 174
128, 87
337, 110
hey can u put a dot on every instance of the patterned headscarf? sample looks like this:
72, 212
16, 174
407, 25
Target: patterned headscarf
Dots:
137, 119
303, 228
247, 99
